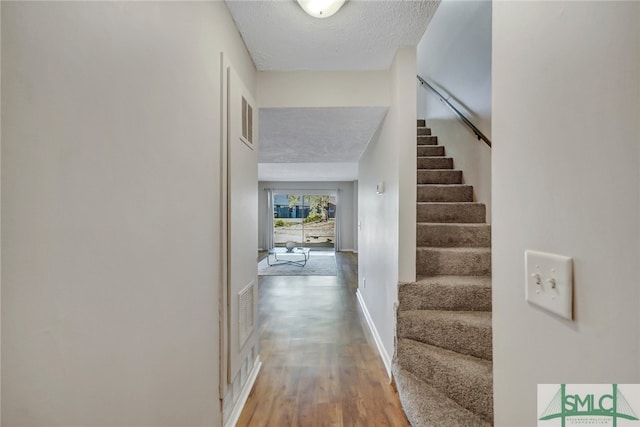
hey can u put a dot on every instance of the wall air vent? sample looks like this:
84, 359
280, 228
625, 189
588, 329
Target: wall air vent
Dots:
246, 319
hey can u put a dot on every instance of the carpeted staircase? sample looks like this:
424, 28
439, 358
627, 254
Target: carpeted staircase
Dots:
442, 366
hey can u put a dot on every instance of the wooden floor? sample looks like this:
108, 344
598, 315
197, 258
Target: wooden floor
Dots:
320, 364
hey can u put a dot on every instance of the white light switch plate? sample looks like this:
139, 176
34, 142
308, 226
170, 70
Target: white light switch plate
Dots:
549, 282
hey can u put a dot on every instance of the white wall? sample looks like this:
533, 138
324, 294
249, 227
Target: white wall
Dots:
0, 216
566, 179
455, 54
383, 238
347, 196
323, 89
110, 211
355, 230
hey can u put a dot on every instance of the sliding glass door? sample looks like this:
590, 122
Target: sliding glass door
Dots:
308, 220
288, 216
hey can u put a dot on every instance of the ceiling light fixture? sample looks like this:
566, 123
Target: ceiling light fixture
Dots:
321, 8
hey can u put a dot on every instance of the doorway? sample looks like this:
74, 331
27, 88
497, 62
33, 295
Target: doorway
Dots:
308, 220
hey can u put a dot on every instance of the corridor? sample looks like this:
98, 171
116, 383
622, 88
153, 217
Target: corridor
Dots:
320, 363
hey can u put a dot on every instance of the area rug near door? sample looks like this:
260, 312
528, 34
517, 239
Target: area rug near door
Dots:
319, 264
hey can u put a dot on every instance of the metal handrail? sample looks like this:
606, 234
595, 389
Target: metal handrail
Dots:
475, 130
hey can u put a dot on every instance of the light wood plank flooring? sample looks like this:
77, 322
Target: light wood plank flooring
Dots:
320, 364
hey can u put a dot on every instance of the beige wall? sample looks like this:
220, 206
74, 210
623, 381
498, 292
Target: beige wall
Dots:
293, 89
0, 215
405, 141
455, 55
387, 221
566, 180
110, 211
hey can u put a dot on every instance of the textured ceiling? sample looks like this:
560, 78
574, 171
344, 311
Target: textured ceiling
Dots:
323, 144
363, 35
335, 137
298, 135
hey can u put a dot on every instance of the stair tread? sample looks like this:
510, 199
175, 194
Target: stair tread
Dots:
427, 140
456, 224
455, 250
444, 193
475, 318
450, 280
467, 380
439, 176
451, 212
453, 235
433, 150
475, 366
465, 293
427, 407
466, 332
463, 261
450, 203
444, 185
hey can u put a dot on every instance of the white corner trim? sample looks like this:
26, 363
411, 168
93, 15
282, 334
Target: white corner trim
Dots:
244, 394
376, 336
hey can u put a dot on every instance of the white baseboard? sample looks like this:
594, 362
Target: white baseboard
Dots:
244, 394
376, 336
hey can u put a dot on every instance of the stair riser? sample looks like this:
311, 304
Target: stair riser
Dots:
435, 163
427, 140
424, 131
451, 212
470, 387
421, 123
453, 236
445, 193
471, 339
439, 177
430, 150
418, 296
436, 262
